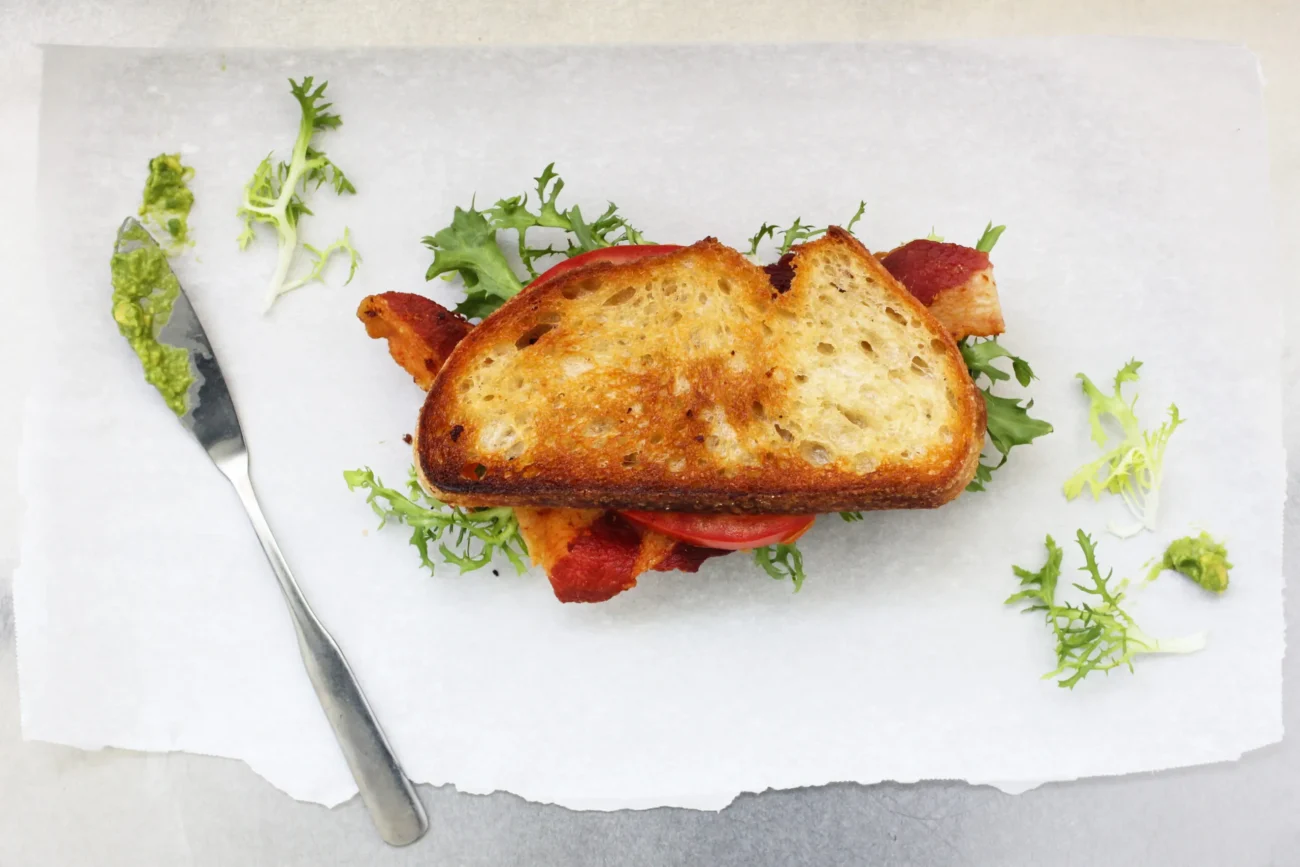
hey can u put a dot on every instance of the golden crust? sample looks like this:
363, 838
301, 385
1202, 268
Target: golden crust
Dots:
658, 445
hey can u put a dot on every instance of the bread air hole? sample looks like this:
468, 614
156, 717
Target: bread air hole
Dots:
895, 315
938, 345
532, 335
826, 348
866, 347
814, 453
473, 471
622, 296
630, 460
783, 433
920, 366
578, 289
856, 419
757, 409
550, 318
724, 285
656, 439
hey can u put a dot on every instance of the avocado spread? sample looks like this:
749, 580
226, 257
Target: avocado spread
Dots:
1200, 558
167, 200
144, 292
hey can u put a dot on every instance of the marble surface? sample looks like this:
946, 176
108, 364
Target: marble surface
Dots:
63, 806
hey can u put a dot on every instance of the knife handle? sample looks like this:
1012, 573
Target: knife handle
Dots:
394, 806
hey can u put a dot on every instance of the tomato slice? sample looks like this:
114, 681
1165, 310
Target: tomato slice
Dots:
725, 532
618, 255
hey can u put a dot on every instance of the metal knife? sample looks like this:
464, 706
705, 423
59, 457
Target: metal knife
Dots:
210, 416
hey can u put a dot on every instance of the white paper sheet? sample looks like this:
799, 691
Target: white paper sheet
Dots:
1132, 176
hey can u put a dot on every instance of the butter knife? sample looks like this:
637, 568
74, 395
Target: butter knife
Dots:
210, 416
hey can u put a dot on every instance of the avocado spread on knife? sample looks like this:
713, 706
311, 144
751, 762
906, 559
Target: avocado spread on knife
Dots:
144, 292
167, 199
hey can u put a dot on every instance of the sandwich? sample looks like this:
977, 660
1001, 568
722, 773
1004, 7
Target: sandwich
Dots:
648, 407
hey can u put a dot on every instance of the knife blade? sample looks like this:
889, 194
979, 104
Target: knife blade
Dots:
210, 416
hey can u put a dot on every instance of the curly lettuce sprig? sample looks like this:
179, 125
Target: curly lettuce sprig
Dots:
796, 233
275, 195
782, 562
469, 247
1133, 465
467, 538
1096, 634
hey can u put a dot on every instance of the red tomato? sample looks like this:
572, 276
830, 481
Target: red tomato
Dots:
725, 532
615, 255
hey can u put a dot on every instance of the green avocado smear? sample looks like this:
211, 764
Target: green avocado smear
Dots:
1200, 558
167, 199
144, 292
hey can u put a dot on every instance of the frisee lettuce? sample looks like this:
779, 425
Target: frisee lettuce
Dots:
1133, 466
1094, 635
783, 562
797, 232
274, 195
475, 535
1009, 422
988, 238
469, 247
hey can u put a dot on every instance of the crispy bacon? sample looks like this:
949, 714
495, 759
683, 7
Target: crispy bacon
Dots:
955, 282
547, 532
592, 556
684, 557
599, 563
421, 333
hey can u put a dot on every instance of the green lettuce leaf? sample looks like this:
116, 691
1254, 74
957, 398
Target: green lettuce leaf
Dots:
1132, 464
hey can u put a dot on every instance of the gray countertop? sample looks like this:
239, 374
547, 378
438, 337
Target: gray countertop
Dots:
63, 806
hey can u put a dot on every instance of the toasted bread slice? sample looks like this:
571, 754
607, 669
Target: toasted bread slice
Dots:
693, 382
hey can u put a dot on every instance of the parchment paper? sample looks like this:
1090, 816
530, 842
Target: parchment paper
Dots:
1132, 176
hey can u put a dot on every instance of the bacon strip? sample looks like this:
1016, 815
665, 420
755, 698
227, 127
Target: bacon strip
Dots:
955, 282
421, 333
591, 556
